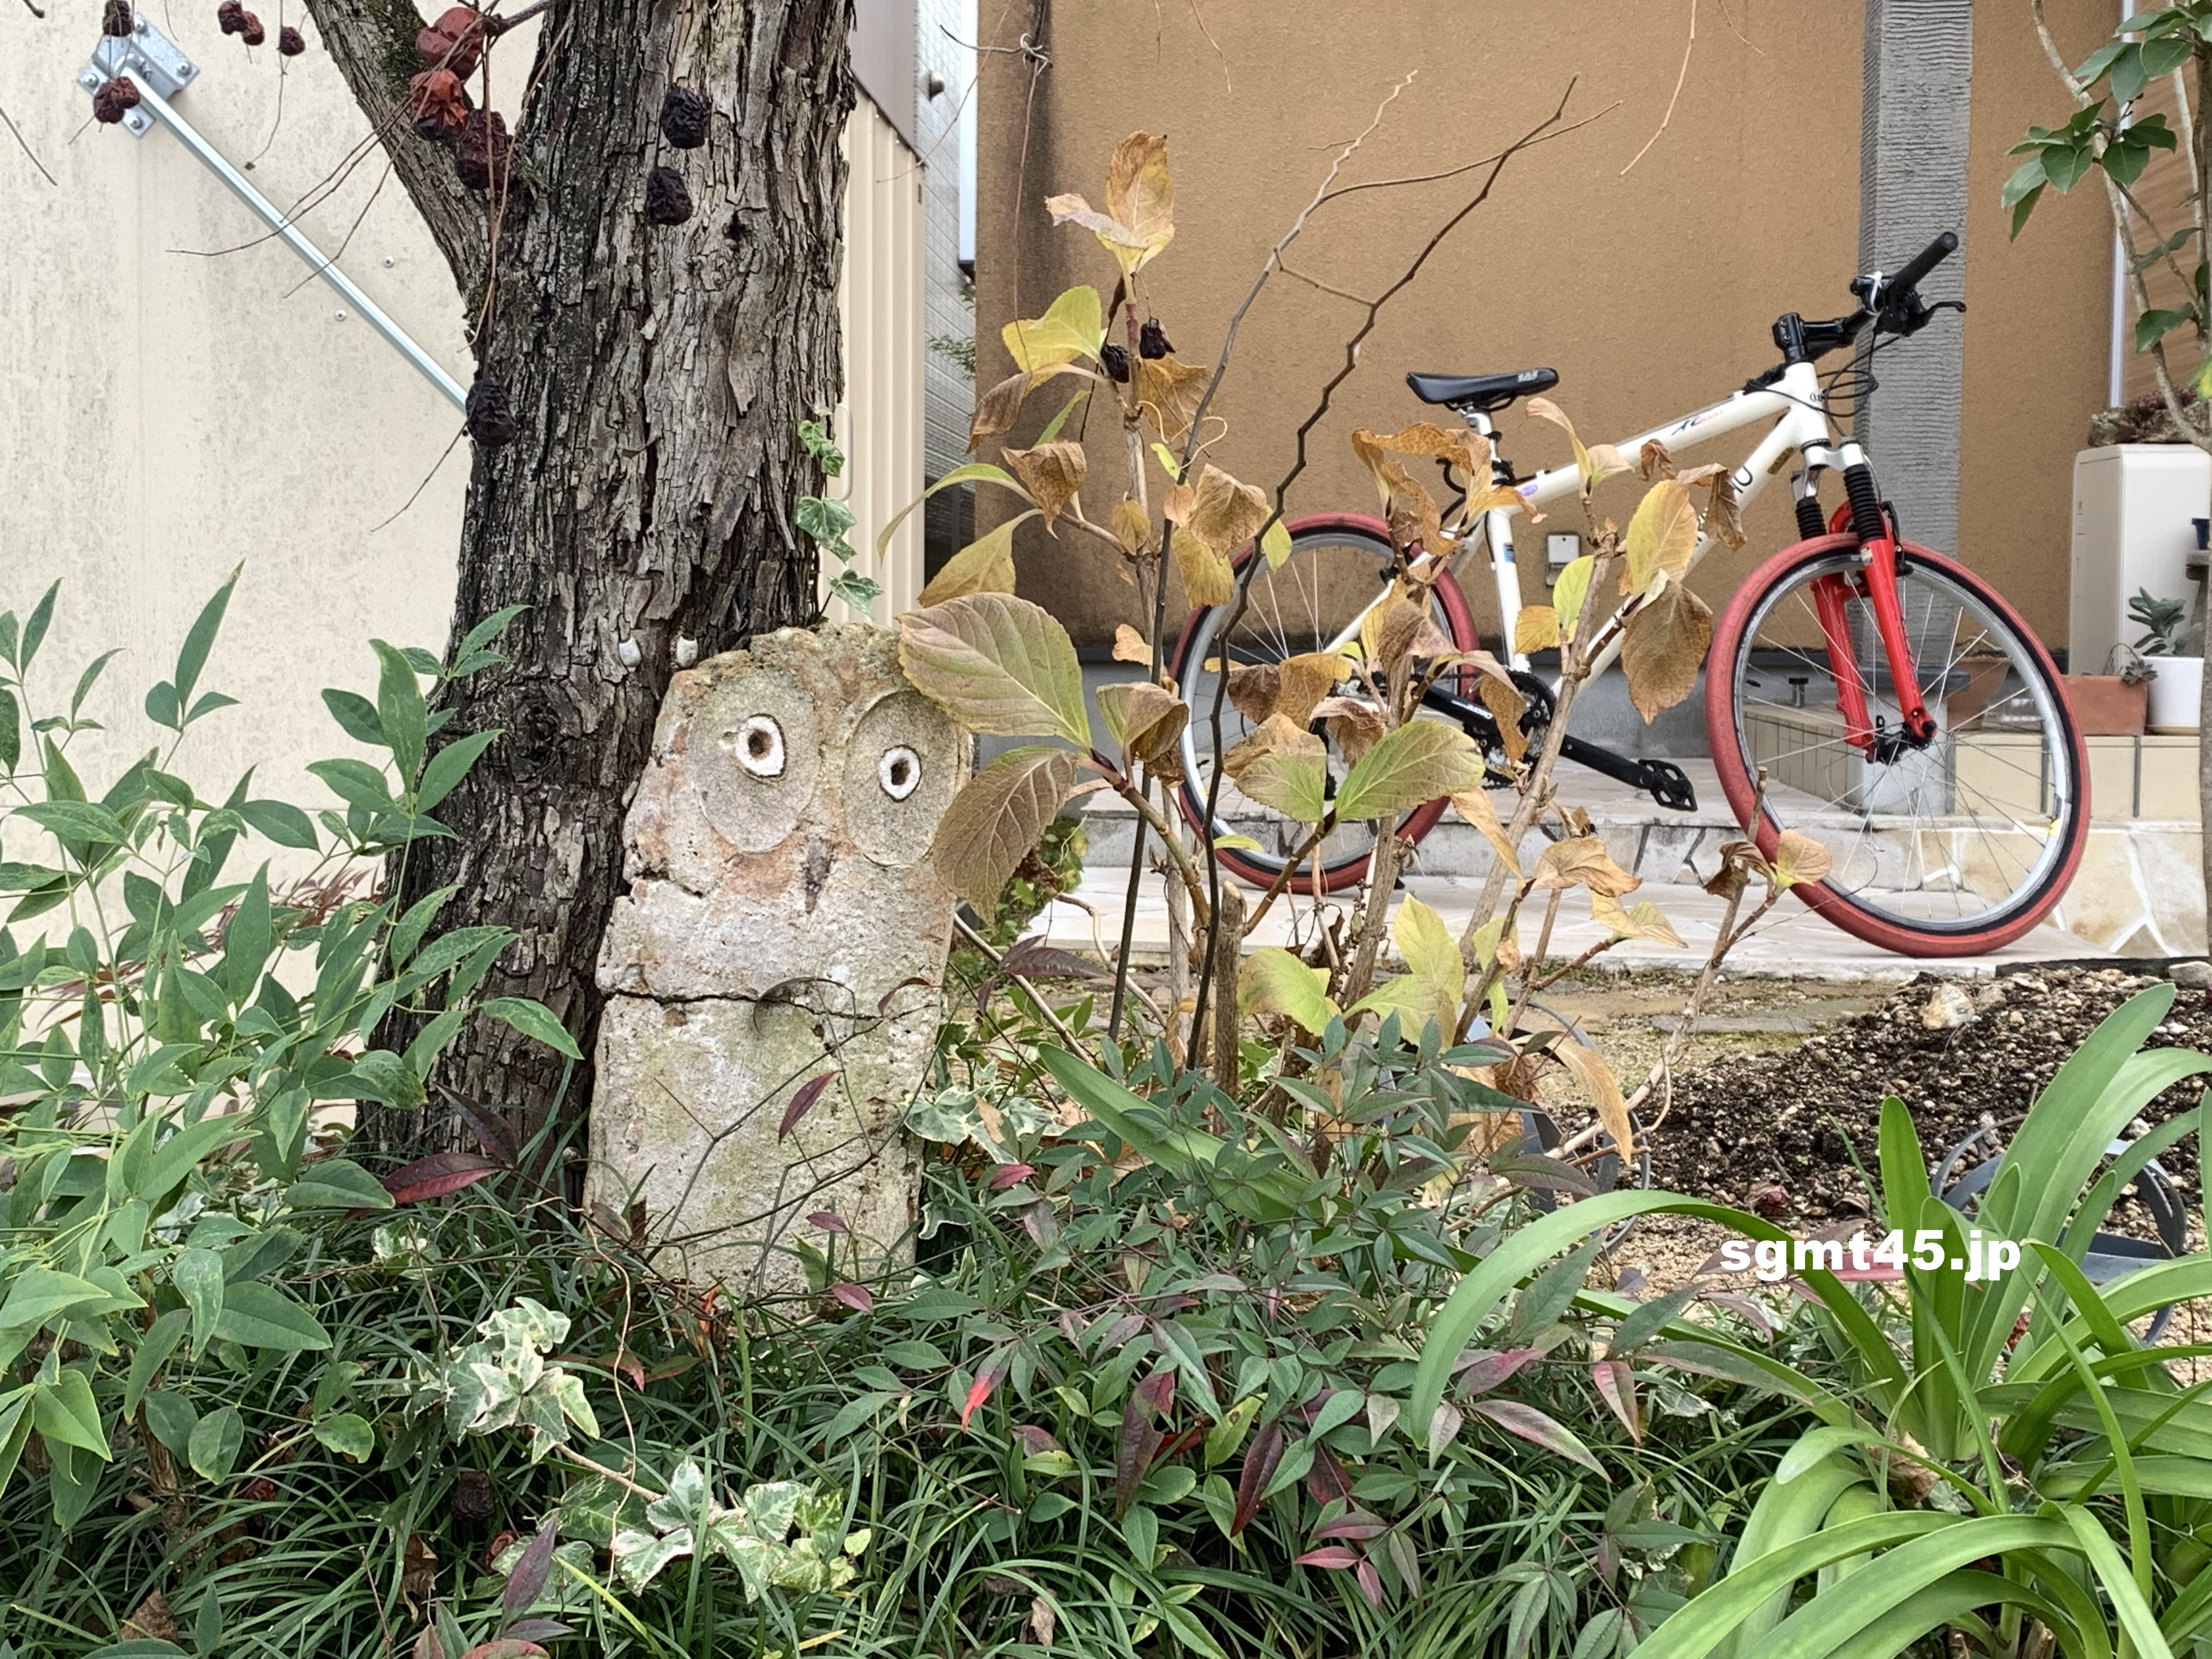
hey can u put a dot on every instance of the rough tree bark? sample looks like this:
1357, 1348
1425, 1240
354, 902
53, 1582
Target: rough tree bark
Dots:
658, 374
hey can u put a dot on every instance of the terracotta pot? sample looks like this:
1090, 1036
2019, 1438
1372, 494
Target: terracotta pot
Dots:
2106, 706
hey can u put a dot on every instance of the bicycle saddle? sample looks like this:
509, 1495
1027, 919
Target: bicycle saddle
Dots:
1487, 392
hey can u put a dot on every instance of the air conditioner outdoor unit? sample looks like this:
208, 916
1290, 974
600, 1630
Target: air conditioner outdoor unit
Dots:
2135, 512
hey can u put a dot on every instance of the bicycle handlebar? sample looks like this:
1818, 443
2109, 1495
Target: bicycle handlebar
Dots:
1894, 289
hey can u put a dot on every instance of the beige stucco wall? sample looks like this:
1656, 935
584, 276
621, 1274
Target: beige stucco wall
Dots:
1650, 288
166, 416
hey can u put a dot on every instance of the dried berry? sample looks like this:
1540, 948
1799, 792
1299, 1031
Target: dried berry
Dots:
455, 41
253, 34
472, 1495
117, 19
483, 152
1116, 359
667, 199
684, 115
490, 420
438, 103
112, 100
290, 41
1770, 1202
1152, 342
231, 13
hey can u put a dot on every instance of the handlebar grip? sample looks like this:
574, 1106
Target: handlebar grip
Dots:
1903, 282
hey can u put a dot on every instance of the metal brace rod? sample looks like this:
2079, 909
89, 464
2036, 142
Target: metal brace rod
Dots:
146, 57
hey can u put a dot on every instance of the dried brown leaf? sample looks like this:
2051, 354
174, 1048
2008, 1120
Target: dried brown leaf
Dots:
1053, 473
1599, 1083
1665, 647
1168, 392
1129, 646
1583, 861
1355, 726
1473, 805
1131, 528
1225, 514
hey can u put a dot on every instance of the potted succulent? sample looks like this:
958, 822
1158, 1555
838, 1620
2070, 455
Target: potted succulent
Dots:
2173, 643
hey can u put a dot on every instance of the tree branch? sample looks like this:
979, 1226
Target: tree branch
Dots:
372, 44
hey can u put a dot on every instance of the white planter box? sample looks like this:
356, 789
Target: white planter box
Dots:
2176, 692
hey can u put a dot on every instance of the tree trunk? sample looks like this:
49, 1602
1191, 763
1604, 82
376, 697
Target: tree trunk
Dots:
658, 374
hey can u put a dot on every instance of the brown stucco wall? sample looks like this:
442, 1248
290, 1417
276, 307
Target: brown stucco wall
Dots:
2038, 322
1650, 291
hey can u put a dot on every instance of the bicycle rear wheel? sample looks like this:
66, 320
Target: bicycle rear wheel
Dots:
1953, 847
1339, 562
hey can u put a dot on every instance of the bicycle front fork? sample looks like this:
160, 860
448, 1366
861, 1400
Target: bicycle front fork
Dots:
1865, 515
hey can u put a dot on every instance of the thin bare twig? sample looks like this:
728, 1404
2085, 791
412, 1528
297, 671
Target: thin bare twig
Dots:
22, 142
997, 958
1680, 76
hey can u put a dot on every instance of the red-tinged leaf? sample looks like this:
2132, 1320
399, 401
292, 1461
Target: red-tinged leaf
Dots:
537, 1630
1326, 1480
1032, 958
428, 1646
1533, 1426
1118, 1331
1011, 1175
1743, 1307
1182, 1443
884, 1002
1262, 1459
980, 1389
1616, 1386
1358, 1525
438, 1175
526, 1581
802, 1102
1370, 1583
1035, 1441
828, 1220
1138, 1445
1158, 1390
505, 1647
1405, 1556
857, 1298
1444, 1423
1482, 1370
1331, 1555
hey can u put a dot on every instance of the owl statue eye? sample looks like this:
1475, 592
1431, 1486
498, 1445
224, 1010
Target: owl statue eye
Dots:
759, 744
899, 771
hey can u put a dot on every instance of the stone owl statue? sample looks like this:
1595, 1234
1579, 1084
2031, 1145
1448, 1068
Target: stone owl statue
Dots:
783, 921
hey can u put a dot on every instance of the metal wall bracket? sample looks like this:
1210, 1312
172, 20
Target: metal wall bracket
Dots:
160, 71
148, 57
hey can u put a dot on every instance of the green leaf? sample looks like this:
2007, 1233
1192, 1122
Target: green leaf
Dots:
86, 681
1274, 981
356, 783
449, 766
973, 472
356, 715
1275, 543
534, 1020
488, 631
255, 1317
153, 1351
216, 1437
998, 818
1421, 761
382, 1076
172, 1418
401, 711
75, 821
337, 1183
280, 821
38, 1294
64, 1411
200, 640
34, 629
247, 941
197, 1277
347, 1435
997, 664
11, 731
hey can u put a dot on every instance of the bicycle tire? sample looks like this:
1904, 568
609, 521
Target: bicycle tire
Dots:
1261, 870
1728, 673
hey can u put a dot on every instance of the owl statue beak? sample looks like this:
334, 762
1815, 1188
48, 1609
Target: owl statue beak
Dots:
819, 858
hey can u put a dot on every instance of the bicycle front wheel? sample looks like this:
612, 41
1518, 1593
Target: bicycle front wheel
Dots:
1339, 564
1951, 846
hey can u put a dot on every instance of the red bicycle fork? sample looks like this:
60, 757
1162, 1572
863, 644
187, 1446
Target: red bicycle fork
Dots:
1875, 581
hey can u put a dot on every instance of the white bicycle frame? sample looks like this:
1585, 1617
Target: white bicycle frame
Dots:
1794, 403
